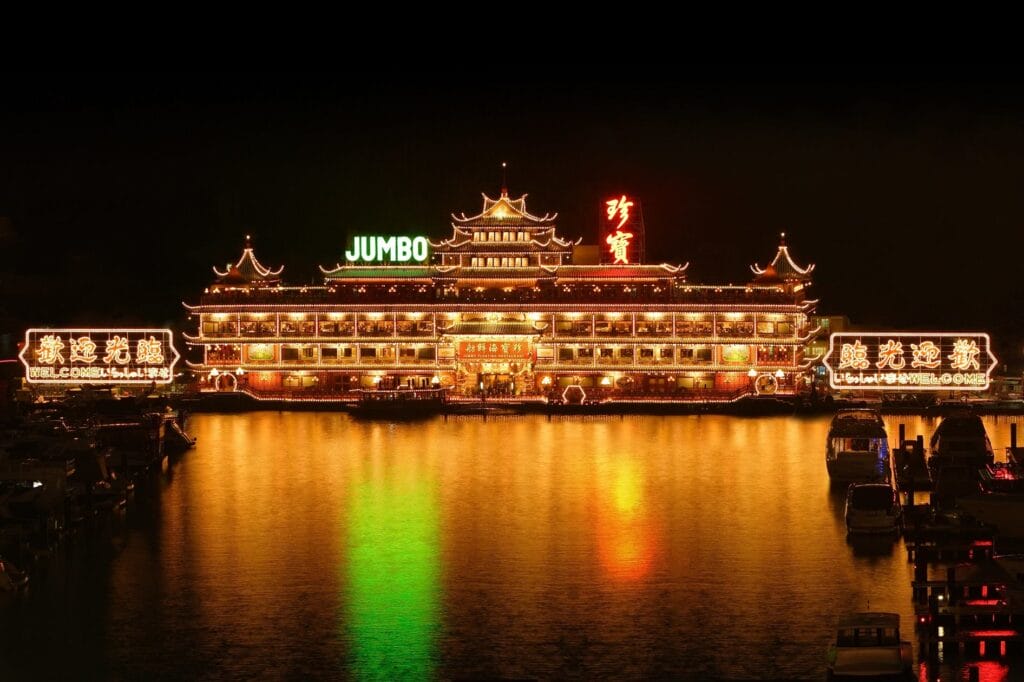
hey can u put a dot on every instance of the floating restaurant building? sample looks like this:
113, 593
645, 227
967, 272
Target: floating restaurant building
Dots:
507, 307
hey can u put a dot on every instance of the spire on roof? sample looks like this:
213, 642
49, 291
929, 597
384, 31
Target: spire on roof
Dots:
248, 269
783, 265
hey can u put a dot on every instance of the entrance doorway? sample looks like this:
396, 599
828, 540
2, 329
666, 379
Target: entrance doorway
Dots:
496, 384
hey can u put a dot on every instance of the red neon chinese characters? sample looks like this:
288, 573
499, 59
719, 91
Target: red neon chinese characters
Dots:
619, 207
618, 244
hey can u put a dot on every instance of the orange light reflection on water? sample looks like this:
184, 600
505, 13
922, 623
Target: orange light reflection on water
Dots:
626, 539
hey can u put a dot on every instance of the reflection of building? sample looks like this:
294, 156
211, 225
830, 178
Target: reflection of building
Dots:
504, 306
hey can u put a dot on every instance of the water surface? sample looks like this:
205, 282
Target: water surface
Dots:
311, 545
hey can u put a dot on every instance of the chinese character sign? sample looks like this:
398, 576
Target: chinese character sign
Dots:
622, 231
495, 350
910, 361
618, 209
619, 245
99, 356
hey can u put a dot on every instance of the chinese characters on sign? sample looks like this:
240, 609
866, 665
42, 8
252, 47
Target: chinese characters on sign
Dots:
99, 356
622, 231
494, 350
619, 245
619, 207
910, 361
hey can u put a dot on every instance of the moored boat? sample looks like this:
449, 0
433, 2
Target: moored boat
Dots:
868, 647
1000, 501
857, 450
400, 402
960, 439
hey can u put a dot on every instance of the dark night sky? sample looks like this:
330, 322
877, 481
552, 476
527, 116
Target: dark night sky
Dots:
118, 192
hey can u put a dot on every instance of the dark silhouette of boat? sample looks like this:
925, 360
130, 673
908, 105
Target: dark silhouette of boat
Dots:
399, 403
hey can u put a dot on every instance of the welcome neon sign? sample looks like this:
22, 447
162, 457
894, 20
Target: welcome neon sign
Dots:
99, 356
910, 361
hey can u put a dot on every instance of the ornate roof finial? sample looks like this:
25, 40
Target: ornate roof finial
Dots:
248, 268
504, 179
783, 265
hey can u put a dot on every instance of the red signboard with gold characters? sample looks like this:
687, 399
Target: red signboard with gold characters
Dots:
495, 350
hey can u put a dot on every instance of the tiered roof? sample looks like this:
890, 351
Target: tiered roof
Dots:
504, 211
247, 271
782, 268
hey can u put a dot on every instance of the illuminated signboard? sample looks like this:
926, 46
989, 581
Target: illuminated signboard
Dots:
495, 350
622, 230
387, 249
910, 361
99, 356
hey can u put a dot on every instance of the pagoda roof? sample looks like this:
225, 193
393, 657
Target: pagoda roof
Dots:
248, 269
504, 211
466, 244
782, 267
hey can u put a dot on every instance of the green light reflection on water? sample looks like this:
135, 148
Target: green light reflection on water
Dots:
393, 580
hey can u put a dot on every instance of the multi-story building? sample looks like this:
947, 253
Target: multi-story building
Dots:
508, 307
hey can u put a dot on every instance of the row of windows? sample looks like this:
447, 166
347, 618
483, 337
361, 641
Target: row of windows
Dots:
603, 327
326, 354
588, 326
386, 327
685, 355
500, 236
502, 262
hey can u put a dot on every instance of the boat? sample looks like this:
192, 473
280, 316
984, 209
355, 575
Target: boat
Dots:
399, 402
872, 508
960, 439
868, 647
1000, 500
857, 450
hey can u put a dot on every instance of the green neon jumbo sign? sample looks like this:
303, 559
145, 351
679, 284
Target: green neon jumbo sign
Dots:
387, 249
